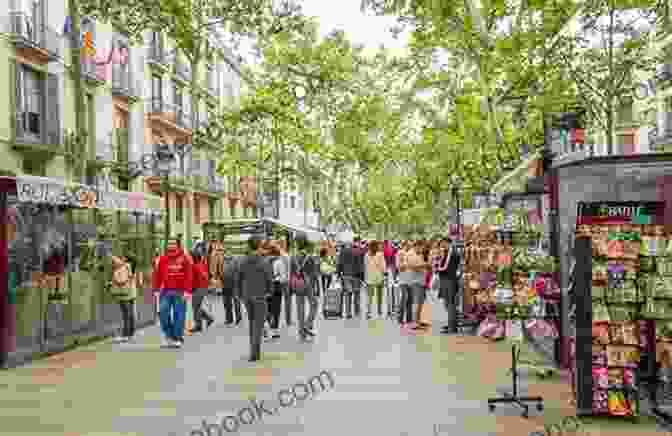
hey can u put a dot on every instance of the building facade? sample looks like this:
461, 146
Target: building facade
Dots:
131, 103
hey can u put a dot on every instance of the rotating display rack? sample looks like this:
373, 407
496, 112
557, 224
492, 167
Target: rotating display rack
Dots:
622, 291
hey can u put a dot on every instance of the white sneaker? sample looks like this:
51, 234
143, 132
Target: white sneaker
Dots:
178, 344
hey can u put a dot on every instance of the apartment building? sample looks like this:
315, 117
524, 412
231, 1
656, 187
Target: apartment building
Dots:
134, 97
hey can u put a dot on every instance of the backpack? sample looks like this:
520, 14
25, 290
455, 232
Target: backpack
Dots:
297, 278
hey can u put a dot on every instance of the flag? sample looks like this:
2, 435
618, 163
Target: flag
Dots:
67, 26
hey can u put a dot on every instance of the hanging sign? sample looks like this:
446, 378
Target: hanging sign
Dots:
41, 190
636, 212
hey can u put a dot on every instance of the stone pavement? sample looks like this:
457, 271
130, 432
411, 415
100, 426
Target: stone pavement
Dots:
387, 382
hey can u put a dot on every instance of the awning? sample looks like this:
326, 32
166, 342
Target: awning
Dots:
43, 190
312, 235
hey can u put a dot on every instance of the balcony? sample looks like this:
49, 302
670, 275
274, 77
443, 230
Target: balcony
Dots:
36, 41
183, 71
122, 82
170, 115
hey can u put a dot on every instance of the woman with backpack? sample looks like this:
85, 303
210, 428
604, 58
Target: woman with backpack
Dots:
123, 288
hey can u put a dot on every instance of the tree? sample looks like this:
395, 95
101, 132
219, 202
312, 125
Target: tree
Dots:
610, 46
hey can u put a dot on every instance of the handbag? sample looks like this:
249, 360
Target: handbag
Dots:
297, 279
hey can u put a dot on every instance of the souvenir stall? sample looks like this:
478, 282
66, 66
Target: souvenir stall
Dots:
623, 299
480, 249
54, 251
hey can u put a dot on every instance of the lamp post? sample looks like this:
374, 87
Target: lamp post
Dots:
160, 161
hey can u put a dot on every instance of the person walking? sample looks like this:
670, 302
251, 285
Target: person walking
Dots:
375, 275
446, 267
232, 304
411, 280
173, 280
304, 275
390, 252
125, 290
253, 283
201, 289
280, 282
288, 293
327, 268
423, 248
350, 269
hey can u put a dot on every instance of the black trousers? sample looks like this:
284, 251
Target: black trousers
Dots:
127, 318
275, 305
326, 281
256, 311
231, 306
449, 294
200, 314
406, 306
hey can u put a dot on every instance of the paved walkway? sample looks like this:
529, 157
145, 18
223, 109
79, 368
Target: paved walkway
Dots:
386, 383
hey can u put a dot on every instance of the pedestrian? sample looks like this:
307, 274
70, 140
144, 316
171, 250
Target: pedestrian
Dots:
350, 269
390, 252
124, 289
421, 296
446, 267
280, 282
201, 288
304, 275
253, 282
411, 280
375, 275
232, 304
173, 280
327, 268
288, 296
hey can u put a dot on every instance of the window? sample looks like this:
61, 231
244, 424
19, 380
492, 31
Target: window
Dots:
179, 208
157, 91
316, 201
124, 184
30, 87
212, 208
292, 202
178, 95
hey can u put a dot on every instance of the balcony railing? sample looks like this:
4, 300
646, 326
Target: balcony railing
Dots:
183, 70
28, 33
122, 82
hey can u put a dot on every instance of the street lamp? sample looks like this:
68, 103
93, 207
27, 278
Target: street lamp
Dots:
164, 161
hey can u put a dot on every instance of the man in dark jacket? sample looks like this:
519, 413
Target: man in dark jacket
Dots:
254, 282
232, 306
350, 268
305, 265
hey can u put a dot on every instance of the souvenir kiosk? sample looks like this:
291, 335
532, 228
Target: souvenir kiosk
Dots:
54, 254
623, 305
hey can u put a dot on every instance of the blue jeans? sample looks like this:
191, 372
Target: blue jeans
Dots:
172, 314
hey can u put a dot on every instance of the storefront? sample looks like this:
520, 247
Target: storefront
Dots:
56, 242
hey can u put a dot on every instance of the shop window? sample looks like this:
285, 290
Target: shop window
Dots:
292, 202
179, 208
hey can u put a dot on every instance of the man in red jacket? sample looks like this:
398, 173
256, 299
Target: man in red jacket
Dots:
173, 279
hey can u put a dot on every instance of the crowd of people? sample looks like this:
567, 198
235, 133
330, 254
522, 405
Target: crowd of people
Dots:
394, 275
